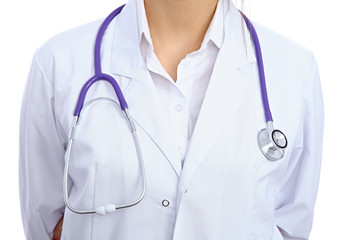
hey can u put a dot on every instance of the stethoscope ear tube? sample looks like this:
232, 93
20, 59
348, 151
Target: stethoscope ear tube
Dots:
107, 208
110, 207
272, 143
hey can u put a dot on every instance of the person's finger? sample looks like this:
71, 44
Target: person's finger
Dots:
58, 229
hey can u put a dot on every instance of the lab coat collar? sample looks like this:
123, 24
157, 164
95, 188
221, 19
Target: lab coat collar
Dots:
143, 100
126, 53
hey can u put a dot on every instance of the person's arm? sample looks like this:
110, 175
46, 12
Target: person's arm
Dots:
41, 158
295, 204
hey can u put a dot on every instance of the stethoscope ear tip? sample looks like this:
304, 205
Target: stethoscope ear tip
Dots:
103, 210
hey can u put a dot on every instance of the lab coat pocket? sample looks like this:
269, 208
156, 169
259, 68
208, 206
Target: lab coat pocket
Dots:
104, 167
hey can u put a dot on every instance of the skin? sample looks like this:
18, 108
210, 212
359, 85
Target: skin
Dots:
58, 229
177, 28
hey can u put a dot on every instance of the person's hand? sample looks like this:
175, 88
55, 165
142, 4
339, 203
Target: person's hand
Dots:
58, 229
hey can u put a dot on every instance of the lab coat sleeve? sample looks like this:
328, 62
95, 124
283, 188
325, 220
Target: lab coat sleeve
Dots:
295, 204
41, 158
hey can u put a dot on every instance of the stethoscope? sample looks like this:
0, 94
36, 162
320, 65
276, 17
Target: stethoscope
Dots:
272, 142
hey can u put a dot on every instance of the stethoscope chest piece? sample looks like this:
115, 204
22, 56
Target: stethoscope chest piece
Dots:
272, 143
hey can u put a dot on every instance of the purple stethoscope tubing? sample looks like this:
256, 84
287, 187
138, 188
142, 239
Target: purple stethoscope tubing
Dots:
97, 64
272, 143
260, 63
102, 76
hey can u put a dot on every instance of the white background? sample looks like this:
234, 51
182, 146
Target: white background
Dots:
329, 28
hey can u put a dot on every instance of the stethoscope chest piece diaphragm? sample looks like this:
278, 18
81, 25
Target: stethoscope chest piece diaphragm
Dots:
272, 145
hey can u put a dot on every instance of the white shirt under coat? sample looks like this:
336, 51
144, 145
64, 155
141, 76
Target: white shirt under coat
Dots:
182, 99
226, 188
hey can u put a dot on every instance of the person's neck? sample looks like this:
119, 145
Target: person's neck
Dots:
179, 20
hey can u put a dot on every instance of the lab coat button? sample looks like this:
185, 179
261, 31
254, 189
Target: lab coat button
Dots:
165, 203
178, 107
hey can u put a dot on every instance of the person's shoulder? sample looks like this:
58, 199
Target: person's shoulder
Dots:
284, 49
285, 55
74, 40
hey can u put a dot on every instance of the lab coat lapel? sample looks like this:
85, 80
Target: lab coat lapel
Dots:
143, 101
146, 109
228, 91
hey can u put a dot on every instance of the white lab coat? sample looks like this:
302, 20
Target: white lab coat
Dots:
226, 189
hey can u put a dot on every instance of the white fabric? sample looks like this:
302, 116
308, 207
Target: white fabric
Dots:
182, 99
226, 189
